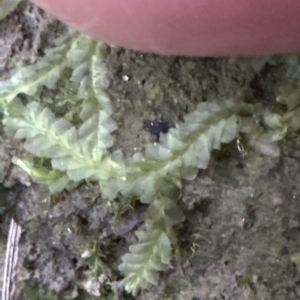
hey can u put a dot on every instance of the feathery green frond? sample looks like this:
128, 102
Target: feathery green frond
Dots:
180, 153
55, 180
57, 140
152, 253
7, 7
96, 108
81, 152
70, 51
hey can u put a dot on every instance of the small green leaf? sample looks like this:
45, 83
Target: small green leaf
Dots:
7, 7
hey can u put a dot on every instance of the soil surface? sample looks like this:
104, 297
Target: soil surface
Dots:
242, 213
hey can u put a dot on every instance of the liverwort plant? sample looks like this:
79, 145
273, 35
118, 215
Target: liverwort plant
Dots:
78, 150
81, 152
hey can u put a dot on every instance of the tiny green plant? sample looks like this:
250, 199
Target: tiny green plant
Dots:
79, 150
7, 7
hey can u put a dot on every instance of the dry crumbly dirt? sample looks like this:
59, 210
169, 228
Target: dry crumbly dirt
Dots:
242, 213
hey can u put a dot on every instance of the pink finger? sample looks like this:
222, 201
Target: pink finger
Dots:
187, 27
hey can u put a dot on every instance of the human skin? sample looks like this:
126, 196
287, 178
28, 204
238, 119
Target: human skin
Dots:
187, 27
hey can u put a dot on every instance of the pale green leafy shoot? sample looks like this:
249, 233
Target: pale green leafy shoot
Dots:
82, 152
7, 7
68, 149
55, 180
71, 51
180, 153
152, 253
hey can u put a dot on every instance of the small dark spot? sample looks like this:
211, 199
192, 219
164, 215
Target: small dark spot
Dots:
284, 251
291, 234
83, 220
157, 126
203, 207
74, 261
29, 264
251, 216
240, 165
